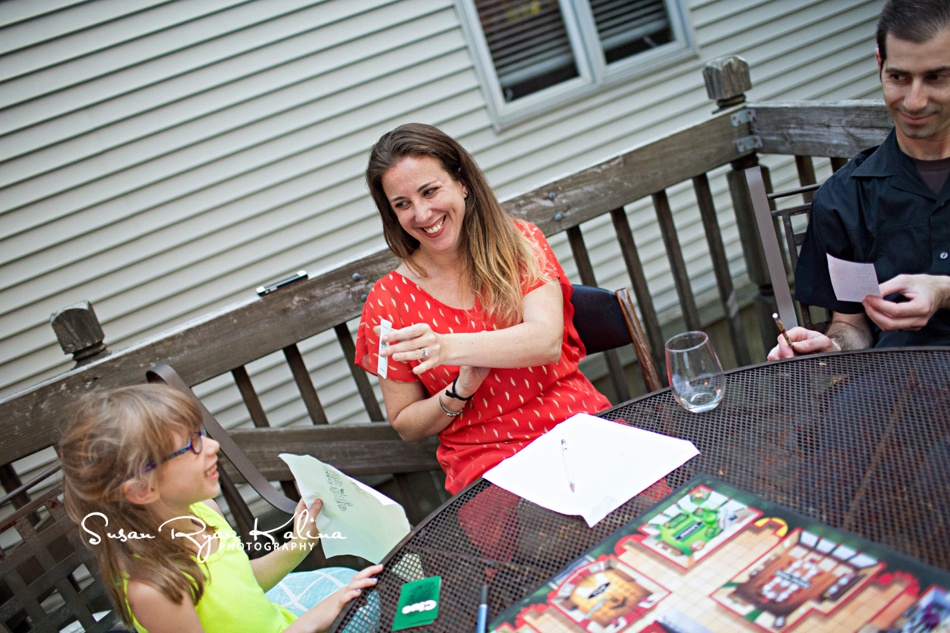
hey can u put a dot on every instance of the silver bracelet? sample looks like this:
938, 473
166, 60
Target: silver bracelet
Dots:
449, 412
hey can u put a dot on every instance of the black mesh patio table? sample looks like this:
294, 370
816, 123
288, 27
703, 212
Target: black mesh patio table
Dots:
859, 441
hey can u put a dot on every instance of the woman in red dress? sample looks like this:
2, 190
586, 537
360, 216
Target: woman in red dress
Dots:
482, 349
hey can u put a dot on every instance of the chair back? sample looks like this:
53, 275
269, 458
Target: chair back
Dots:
772, 248
606, 320
48, 578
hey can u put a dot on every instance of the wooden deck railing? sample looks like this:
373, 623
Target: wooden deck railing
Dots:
227, 341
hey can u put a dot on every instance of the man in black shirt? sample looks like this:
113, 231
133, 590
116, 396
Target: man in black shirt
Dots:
890, 205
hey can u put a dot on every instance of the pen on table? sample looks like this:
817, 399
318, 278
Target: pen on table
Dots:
781, 328
567, 464
482, 611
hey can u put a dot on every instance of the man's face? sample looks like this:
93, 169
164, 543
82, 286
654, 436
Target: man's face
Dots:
916, 82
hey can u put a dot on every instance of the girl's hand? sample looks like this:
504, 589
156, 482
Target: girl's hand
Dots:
305, 532
416, 342
322, 615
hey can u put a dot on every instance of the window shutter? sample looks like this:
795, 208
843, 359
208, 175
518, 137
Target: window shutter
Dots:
529, 44
628, 27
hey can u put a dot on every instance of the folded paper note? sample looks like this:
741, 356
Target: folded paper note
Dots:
852, 281
609, 463
355, 519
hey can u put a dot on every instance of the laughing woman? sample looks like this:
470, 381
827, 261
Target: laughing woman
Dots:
482, 350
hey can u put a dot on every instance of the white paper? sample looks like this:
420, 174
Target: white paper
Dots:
369, 523
382, 362
610, 462
852, 281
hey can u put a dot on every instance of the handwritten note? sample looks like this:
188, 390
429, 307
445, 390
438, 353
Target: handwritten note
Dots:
610, 462
368, 522
852, 281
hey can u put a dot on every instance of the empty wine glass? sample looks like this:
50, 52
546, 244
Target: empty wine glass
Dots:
695, 374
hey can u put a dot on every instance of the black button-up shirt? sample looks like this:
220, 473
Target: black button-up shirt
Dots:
878, 209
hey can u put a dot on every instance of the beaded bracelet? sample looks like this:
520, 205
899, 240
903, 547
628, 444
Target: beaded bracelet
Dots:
450, 392
449, 412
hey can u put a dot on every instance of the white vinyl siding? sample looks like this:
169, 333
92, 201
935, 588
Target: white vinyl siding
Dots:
163, 159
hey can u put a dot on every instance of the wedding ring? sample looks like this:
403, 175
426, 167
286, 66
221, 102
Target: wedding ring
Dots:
425, 354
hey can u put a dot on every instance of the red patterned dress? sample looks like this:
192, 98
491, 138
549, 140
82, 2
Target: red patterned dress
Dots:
512, 407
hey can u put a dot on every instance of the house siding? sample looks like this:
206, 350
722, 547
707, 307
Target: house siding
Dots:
162, 159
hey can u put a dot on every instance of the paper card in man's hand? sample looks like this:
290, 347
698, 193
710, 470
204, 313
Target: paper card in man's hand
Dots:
852, 281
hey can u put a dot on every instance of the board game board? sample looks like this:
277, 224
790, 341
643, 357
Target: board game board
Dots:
714, 559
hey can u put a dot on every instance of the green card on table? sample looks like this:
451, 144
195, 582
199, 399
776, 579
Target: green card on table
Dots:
418, 603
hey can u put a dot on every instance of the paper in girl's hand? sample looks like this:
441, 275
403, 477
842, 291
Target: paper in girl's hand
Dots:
355, 519
382, 362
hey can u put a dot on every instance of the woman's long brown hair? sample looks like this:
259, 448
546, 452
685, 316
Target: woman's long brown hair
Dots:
498, 261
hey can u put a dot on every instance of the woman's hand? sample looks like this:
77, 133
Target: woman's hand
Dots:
535, 341
470, 379
322, 615
416, 342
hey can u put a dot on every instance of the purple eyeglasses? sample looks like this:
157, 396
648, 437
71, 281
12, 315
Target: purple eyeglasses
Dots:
194, 445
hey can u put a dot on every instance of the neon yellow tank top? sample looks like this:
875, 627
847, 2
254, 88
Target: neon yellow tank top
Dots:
232, 600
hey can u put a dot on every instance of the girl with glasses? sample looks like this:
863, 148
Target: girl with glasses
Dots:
139, 478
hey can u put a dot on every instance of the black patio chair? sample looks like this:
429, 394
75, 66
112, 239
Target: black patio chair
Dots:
607, 320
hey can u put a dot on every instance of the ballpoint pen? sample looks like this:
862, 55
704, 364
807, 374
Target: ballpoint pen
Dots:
482, 621
567, 464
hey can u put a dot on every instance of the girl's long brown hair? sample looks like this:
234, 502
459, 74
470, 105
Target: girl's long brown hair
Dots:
111, 439
497, 259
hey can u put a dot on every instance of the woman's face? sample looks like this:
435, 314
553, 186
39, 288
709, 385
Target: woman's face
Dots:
427, 201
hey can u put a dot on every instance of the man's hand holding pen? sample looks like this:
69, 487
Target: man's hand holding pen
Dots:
804, 341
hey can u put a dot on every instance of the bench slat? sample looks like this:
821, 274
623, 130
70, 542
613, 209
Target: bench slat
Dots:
356, 449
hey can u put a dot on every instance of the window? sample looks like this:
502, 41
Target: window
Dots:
536, 54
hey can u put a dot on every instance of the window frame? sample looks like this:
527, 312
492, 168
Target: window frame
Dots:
594, 74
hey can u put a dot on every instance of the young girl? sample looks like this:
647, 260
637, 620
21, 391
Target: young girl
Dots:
139, 477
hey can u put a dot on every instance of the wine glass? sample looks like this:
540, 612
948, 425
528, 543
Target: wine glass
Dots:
694, 371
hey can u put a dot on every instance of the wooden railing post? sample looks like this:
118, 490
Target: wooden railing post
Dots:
727, 80
79, 333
